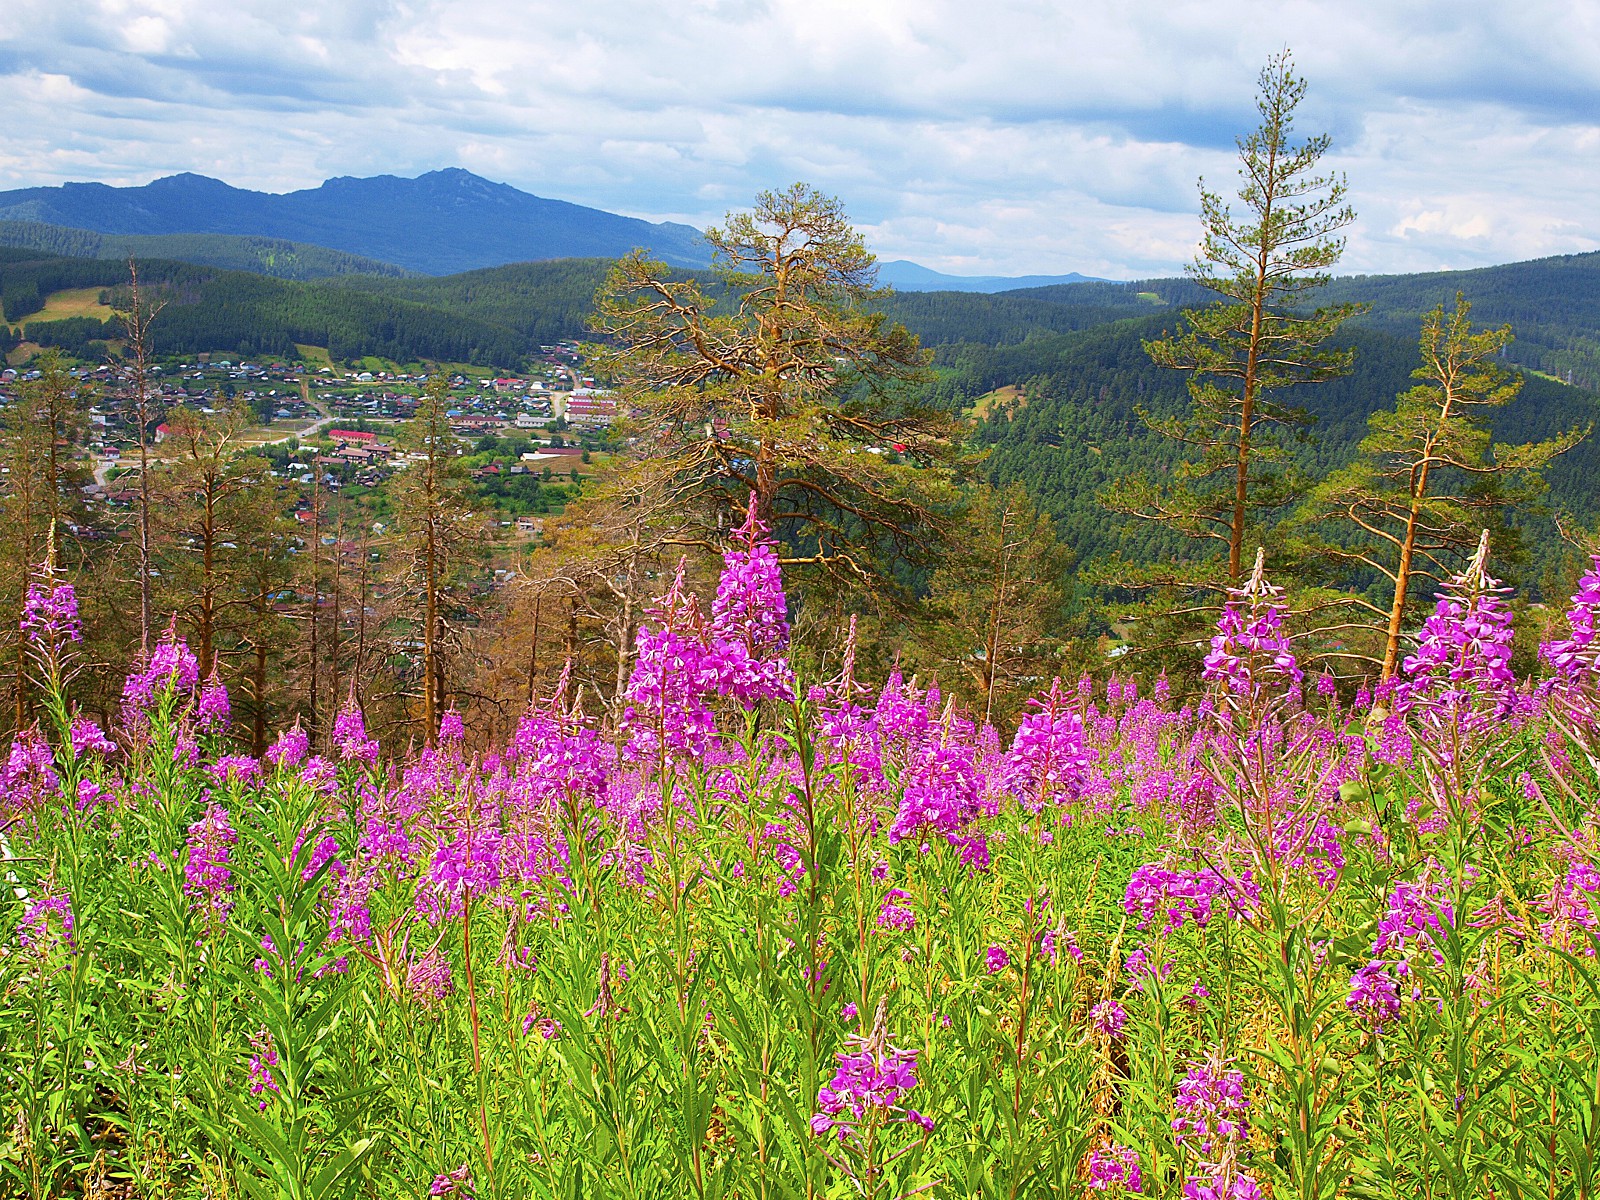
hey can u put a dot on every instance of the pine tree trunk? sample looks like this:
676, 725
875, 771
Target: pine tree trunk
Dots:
312, 727
258, 683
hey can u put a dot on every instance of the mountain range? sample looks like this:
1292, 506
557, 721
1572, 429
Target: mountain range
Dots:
436, 224
440, 223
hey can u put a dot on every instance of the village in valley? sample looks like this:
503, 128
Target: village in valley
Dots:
335, 429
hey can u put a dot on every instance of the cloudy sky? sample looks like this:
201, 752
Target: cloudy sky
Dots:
1014, 136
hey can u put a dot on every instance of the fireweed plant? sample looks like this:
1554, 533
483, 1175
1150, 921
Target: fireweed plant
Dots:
779, 938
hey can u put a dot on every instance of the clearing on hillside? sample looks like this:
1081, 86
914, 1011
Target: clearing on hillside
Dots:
75, 302
985, 404
315, 356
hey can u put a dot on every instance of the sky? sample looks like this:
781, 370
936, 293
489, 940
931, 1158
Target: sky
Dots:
1000, 137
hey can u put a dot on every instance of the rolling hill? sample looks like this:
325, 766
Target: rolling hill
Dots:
209, 309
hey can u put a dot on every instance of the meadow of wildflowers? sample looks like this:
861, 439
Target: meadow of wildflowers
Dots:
774, 938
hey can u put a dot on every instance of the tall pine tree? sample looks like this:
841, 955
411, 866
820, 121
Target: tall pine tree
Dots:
1255, 341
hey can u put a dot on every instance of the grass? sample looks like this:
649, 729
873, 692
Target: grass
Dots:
75, 302
275, 432
989, 401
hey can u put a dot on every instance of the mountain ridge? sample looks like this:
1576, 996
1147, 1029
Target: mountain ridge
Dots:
905, 276
442, 222
439, 223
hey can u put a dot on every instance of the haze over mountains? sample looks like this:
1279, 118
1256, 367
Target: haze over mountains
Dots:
437, 224
911, 277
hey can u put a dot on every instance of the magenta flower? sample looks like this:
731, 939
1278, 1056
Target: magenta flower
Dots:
1578, 655
893, 915
451, 728
685, 660
90, 795
452, 1183
549, 1028
291, 748
1416, 910
319, 773
1221, 1187
1157, 891
234, 768
213, 713
941, 795
350, 734
672, 676
1461, 672
1049, 755
466, 864
750, 604
996, 959
46, 924
172, 670
1251, 658
868, 1086
50, 613
262, 1061
1210, 1108
29, 775
558, 756
1108, 1018
1374, 995
207, 872
1114, 1169
1571, 904
87, 736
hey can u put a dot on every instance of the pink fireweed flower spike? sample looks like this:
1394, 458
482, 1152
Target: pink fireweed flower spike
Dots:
1251, 658
1461, 672
1578, 656
869, 1085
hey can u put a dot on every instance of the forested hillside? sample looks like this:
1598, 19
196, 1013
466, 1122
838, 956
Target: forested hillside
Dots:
265, 256
209, 309
1073, 352
543, 302
1074, 427
1553, 304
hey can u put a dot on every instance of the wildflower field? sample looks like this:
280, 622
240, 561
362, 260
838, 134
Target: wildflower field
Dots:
777, 938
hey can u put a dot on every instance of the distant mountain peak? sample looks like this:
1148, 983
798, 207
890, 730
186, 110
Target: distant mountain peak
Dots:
913, 277
187, 179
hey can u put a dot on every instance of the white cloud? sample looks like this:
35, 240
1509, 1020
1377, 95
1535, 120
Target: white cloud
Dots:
1024, 136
